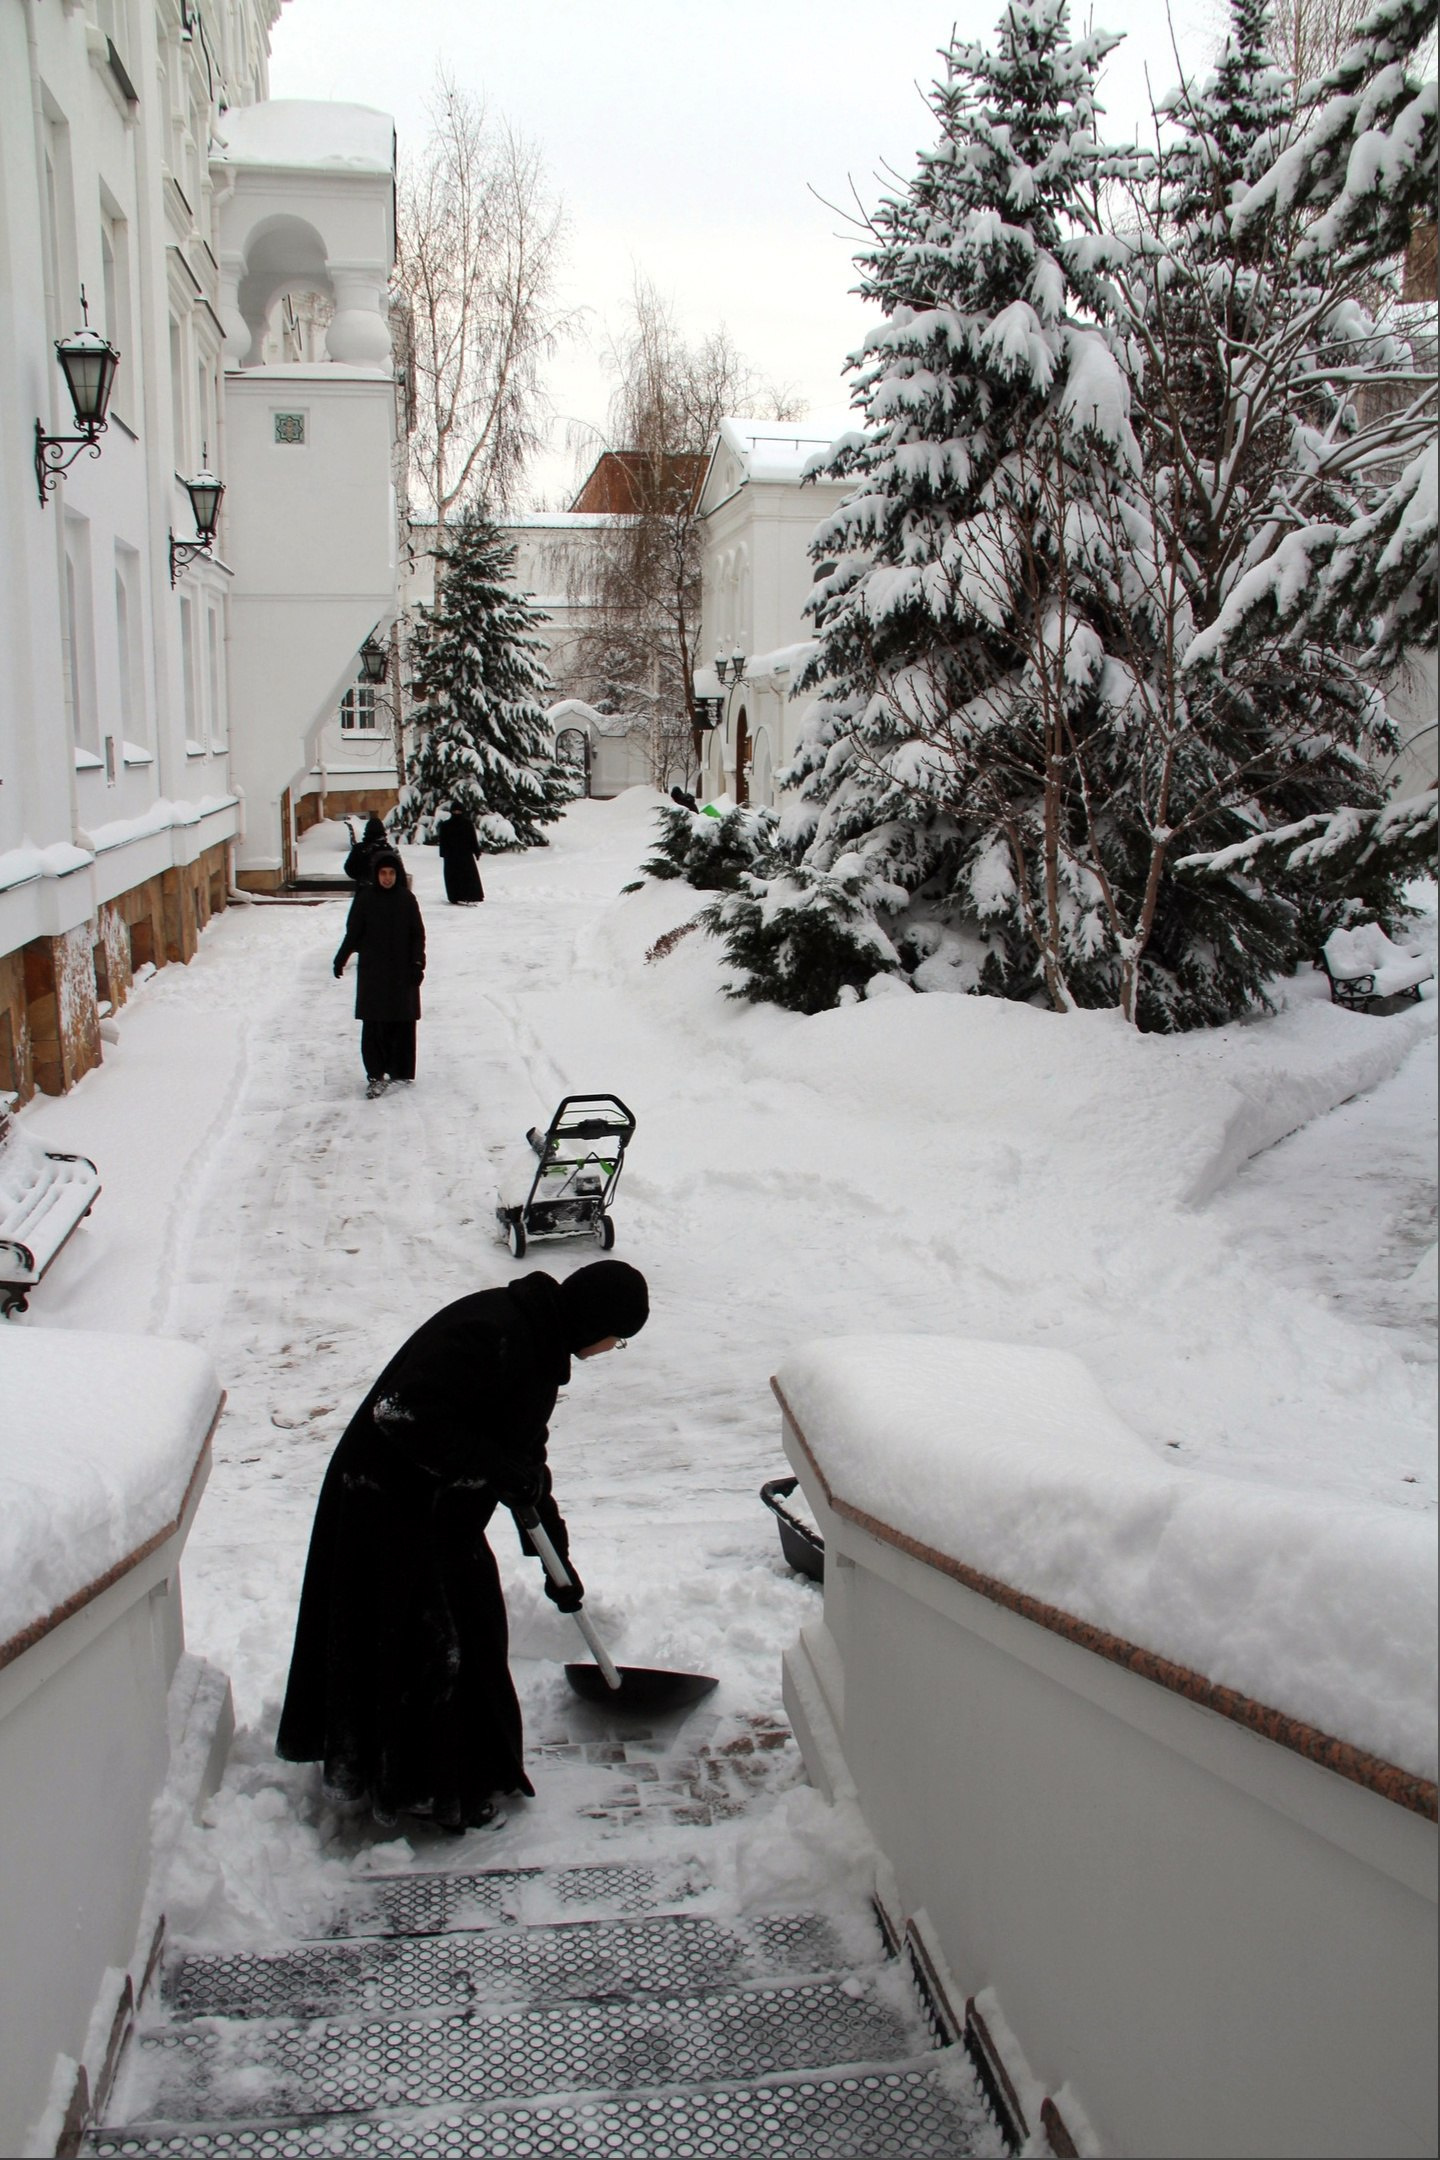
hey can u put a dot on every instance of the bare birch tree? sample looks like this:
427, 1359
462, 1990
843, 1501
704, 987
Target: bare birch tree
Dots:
643, 583
478, 241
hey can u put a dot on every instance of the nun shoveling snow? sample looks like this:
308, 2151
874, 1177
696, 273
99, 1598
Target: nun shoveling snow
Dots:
400, 1683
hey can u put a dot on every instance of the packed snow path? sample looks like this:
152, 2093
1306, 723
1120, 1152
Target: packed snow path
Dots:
1262, 1305
619, 2008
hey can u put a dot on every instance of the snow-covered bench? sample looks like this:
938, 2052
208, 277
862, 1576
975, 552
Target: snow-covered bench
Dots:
42, 1198
1363, 963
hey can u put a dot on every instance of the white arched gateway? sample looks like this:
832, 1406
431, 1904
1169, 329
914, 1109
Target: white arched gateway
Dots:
603, 748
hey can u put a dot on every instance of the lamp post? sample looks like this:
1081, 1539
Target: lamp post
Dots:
89, 362
205, 492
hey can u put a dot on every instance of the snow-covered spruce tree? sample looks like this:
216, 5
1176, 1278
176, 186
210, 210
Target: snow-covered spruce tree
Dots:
1355, 180
1241, 397
479, 686
1271, 411
982, 624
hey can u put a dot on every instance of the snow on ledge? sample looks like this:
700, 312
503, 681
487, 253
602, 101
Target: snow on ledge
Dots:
22, 865
294, 133
98, 1444
162, 816
1012, 1462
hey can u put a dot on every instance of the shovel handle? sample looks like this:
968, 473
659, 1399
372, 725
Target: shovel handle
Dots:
559, 1574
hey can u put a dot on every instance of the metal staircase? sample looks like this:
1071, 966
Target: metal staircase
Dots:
548, 2013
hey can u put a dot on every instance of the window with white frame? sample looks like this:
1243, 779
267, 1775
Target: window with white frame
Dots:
358, 712
78, 632
187, 667
127, 655
217, 708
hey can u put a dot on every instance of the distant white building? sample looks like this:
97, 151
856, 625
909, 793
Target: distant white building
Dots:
315, 436
759, 523
161, 707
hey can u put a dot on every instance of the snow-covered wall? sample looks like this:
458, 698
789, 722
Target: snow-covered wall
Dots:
103, 1447
1215, 1942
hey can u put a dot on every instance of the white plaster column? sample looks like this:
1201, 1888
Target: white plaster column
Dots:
359, 335
240, 333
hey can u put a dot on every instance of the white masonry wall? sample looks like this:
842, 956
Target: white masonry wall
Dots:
1203, 1942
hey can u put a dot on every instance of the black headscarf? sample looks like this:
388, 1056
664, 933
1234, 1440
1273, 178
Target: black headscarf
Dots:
378, 861
607, 1298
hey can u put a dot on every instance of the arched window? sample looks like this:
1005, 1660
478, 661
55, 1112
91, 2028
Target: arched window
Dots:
357, 710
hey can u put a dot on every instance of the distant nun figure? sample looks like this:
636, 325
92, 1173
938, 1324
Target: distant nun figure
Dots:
386, 931
459, 847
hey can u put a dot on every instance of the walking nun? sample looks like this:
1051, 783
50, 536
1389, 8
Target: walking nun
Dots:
459, 846
400, 1680
386, 933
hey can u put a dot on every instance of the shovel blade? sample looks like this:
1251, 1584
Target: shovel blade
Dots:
642, 1687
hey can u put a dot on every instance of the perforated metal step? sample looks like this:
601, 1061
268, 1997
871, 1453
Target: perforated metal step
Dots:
926, 2110
335, 2066
419, 1904
665, 1954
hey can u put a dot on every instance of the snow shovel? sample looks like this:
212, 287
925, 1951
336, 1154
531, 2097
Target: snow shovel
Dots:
631, 1687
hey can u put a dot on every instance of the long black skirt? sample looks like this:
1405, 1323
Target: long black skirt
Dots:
462, 879
400, 1682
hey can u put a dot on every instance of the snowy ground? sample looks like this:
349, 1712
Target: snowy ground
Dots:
1235, 1231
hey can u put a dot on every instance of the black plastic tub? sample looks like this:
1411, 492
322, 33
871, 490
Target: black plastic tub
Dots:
803, 1548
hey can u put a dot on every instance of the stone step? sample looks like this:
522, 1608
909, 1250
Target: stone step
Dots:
925, 2109
338, 2066
435, 1904
662, 1954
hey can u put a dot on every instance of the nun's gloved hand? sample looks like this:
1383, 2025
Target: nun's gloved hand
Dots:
568, 1596
519, 1488
339, 969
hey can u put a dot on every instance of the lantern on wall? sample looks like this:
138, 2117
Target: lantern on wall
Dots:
89, 363
205, 492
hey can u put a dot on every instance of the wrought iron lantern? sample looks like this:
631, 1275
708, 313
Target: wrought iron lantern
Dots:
205, 492
736, 665
374, 660
89, 362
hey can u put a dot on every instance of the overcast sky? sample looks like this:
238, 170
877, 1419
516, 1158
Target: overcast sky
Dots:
685, 142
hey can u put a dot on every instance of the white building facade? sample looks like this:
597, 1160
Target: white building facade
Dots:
759, 521
315, 438
155, 708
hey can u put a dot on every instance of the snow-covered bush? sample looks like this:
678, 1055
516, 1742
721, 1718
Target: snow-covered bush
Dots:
711, 852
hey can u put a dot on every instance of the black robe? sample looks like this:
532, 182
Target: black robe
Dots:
459, 854
386, 930
400, 1681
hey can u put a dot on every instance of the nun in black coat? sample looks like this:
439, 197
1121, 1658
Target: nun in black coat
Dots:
385, 929
400, 1682
459, 846
361, 857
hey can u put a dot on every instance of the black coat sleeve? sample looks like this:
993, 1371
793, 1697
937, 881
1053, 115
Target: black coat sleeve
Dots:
351, 941
417, 940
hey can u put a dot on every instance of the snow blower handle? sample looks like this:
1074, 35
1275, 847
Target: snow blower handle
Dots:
529, 1521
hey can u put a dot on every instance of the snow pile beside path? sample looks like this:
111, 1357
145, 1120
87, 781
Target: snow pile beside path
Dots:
1174, 1115
100, 1437
1012, 1462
